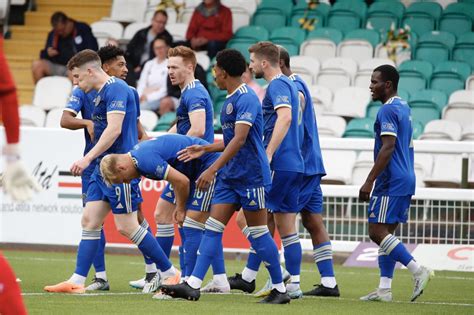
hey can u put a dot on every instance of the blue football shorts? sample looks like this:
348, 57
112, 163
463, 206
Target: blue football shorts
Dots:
389, 209
249, 199
311, 196
197, 200
284, 193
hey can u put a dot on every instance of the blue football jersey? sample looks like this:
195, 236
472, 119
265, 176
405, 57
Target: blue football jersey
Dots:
398, 178
81, 102
117, 97
249, 167
311, 150
281, 92
194, 97
152, 158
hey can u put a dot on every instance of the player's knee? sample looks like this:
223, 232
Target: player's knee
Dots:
374, 234
241, 222
89, 223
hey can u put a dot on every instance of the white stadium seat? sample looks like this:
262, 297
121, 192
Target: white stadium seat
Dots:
362, 167
462, 97
248, 5
338, 165
381, 52
468, 133
111, 29
53, 118
442, 130
330, 126
461, 113
148, 119
362, 79
177, 30
446, 171
240, 17
32, 116
423, 167
373, 63
350, 102
333, 79
322, 98
318, 48
128, 10
191, 4
52, 92
349, 65
470, 83
203, 59
359, 50
133, 28
306, 67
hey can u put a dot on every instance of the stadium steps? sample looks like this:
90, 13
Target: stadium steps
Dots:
27, 40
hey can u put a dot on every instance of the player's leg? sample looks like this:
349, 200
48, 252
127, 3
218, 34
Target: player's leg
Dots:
11, 301
164, 219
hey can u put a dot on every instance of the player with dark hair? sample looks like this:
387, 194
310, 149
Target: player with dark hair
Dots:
394, 176
243, 175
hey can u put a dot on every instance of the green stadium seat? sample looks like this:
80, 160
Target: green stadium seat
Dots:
425, 114
347, 15
373, 109
435, 46
253, 32
464, 49
450, 76
332, 34
371, 36
429, 99
165, 121
319, 13
463, 8
382, 15
424, 68
291, 34
412, 81
242, 46
269, 18
455, 23
289, 45
360, 128
417, 129
420, 23
431, 8
403, 94
284, 6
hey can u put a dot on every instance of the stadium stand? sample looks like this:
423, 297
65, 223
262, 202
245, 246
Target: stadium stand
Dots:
306, 67
442, 130
52, 92
330, 126
338, 165
148, 119
362, 167
53, 118
32, 116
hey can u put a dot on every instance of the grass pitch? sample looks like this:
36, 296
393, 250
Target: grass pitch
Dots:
447, 293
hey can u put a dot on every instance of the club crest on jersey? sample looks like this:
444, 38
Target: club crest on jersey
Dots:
229, 109
97, 100
160, 170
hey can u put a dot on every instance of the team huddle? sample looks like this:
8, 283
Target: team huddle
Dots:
268, 167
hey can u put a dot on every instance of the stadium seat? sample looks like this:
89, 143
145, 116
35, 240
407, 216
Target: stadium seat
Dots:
52, 92
288, 33
363, 76
435, 46
423, 167
464, 49
203, 59
412, 81
241, 45
424, 68
269, 19
306, 67
346, 16
330, 126
372, 109
462, 8
450, 76
467, 133
368, 35
148, 119
322, 98
455, 23
362, 167
319, 14
461, 113
177, 30
359, 50
250, 6
133, 28
421, 17
338, 165
240, 17
442, 130
383, 15
321, 43
360, 128
107, 29
32, 116
403, 53
347, 64
165, 121
252, 32
334, 79
470, 83
462, 97
284, 6
424, 114
350, 102
429, 99
446, 171
331, 34
53, 118
417, 129
362, 79
431, 8
128, 10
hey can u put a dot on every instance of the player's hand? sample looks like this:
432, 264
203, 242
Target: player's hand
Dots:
16, 180
79, 166
365, 190
178, 216
90, 129
205, 180
52, 52
191, 153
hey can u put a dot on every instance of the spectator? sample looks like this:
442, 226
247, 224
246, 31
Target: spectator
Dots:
210, 27
66, 39
152, 85
247, 78
139, 50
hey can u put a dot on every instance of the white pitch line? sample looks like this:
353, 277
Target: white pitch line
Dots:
405, 302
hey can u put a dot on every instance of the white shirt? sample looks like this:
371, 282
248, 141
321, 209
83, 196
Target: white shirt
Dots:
154, 75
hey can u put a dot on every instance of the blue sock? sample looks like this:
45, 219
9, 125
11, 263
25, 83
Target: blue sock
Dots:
99, 259
211, 245
193, 232
165, 237
145, 225
150, 247
395, 249
322, 254
293, 256
386, 265
218, 264
182, 263
253, 261
87, 251
267, 251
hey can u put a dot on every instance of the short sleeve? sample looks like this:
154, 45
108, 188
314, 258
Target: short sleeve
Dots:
247, 109
117, 96
75, 101
388, 120
195, 103
280, 94
137, 101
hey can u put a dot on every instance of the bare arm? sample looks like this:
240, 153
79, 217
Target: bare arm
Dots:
280, 130
142, 135
198, 124
173, 129
181, 190
70, 121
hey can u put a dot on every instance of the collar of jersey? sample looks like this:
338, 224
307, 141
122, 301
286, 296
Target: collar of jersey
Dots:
188, 85
276, 77
229, 95
390, 100
109, 79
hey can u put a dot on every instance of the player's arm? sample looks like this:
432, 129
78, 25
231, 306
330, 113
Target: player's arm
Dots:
142, 135
197, 119
180, 185
70, 121
282, 124
173, 129
196, 151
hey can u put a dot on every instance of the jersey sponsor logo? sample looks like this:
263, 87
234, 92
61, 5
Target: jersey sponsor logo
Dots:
388, 126
194, 106
117, 105
229, 109
73, 99
245, 116
228, 126
282, 99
